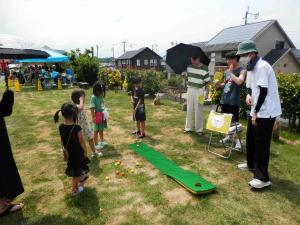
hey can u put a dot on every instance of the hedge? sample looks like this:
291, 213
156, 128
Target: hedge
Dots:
151, 80
289, 90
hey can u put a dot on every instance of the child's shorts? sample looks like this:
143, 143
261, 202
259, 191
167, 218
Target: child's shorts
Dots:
140, 114
98, 127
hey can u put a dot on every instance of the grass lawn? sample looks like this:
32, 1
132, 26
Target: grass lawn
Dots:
145, 196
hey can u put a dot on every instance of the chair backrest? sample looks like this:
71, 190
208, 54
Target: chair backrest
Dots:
218, 122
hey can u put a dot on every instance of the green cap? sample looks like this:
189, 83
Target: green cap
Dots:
246, 47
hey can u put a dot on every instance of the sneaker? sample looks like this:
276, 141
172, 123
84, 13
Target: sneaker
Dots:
141, 135
243, 166
258, 184
80, 189
98, 146
102, 143
135, 132
186, 131
98, 154
238, 144
225, 139
200, 133
233, 128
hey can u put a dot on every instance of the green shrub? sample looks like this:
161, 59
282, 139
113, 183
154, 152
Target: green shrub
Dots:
103, 74
289, 91
215, 94
130, 74
174, 82
87, 68
114, 79
151, 81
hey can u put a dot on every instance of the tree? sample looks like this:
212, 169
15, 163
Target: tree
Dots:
85, 67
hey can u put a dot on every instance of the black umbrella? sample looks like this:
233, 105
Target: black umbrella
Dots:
13, 53
179, 57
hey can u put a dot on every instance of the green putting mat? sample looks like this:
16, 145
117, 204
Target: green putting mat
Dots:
191, 181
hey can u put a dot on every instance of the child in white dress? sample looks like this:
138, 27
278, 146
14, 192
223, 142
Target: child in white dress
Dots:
78, 98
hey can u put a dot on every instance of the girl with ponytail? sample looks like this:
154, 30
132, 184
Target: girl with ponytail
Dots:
73, 147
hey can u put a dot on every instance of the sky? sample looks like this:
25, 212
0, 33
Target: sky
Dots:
70, 24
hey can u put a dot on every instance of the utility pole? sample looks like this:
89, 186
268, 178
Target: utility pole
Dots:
113, 52
124, 46
256, 15
173, 43
97, 47
92, 50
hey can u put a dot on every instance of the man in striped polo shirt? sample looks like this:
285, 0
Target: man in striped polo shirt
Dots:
197, 77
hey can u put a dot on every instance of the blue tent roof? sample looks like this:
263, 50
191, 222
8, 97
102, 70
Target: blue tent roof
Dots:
54, 57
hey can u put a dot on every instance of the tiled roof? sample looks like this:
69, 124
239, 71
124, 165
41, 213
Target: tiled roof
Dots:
131, 54
275, 54
297, 53
239, 33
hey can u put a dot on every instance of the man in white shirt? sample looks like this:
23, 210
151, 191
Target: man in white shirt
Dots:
263, 98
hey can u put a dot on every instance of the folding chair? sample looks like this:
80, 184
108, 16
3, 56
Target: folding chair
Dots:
220, 124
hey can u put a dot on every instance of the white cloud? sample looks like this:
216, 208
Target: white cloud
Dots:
68, 24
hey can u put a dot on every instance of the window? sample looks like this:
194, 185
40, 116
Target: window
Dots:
146, 62
279, 44
119, 63
138, 62
151, 62
155, 62
284, 65
223, 54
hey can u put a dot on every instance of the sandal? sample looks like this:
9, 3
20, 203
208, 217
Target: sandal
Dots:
12, 208
135, 132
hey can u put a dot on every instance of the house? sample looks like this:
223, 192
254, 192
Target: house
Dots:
143, 58
272, 42
297, 53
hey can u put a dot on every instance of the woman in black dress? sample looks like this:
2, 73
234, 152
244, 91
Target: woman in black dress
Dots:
73, 147
10, 182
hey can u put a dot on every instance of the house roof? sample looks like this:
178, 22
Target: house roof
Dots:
297, 53
131, 54
275, 54
200, 44
229, 38
239, 33
221, 47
